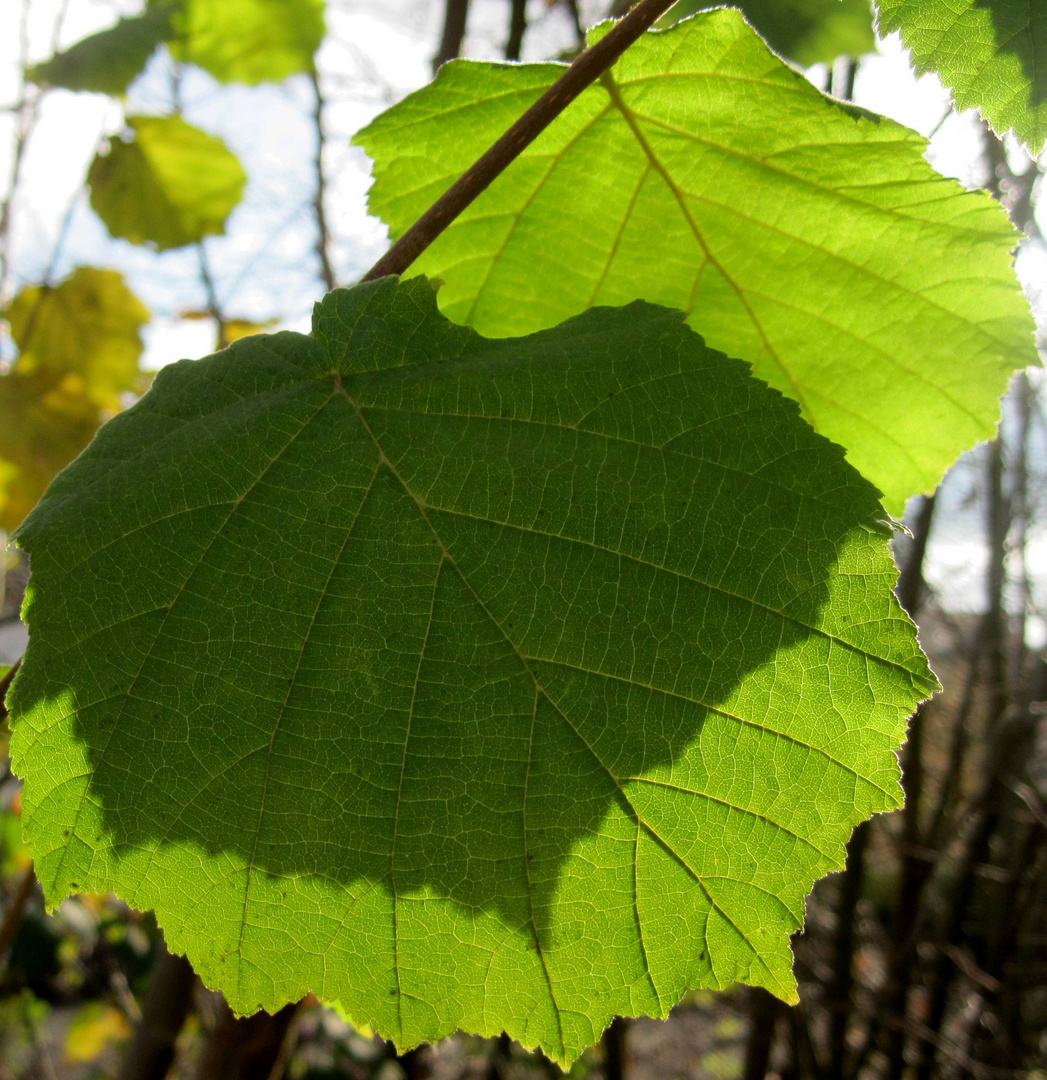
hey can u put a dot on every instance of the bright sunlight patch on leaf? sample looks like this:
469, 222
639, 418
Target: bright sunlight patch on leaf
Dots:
249, 41
470, 683
805, 236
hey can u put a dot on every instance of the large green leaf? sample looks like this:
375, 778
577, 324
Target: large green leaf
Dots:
807, 31
109, 61
249, 41
171, 184
992, 54
805, 236
470, 683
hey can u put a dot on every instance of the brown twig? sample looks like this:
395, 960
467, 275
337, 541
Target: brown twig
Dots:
589, 66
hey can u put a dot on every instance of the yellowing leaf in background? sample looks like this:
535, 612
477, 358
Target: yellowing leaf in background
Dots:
79, 346
170, 185
95, 1027
88, 327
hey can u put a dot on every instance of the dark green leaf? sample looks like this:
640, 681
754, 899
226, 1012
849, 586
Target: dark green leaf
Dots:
806, 31
108, 62
992, 54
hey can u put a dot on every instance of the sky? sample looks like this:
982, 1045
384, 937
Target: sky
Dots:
375, 53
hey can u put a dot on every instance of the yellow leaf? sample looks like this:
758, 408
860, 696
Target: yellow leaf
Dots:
235, 329
86, 328
46, 419
95, 1027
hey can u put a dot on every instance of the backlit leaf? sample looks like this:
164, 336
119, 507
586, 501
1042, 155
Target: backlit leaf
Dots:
169, 185
468, 683
88, 327
109, 61
79, 344
249, 41
806, 31
46, 423
992, 54
808, 237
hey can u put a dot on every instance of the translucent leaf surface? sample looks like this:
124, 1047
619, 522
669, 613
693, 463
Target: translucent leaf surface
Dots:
171, 184
47, 421
87, 327
992, 54
79, 346
109, 61
805, 236
807, 31
469, 683
249, 41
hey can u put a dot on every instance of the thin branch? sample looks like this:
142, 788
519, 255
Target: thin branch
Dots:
323, 233
26, 112
585, 70
213, 307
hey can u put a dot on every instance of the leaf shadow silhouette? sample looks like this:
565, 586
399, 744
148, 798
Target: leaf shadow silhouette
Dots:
1014, 34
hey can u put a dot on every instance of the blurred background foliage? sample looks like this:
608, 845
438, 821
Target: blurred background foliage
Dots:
178, 176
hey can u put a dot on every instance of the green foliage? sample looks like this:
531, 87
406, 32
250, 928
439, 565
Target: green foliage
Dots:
79, 346
805, 31
169, 185
249, 41
469, 683
108, 62
992, 54
808, 237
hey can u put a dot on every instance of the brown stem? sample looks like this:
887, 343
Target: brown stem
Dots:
455, 15
323, 233
585, 70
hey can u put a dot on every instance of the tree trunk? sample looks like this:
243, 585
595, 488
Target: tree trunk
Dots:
455, 14
167, 1002
246, 1048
